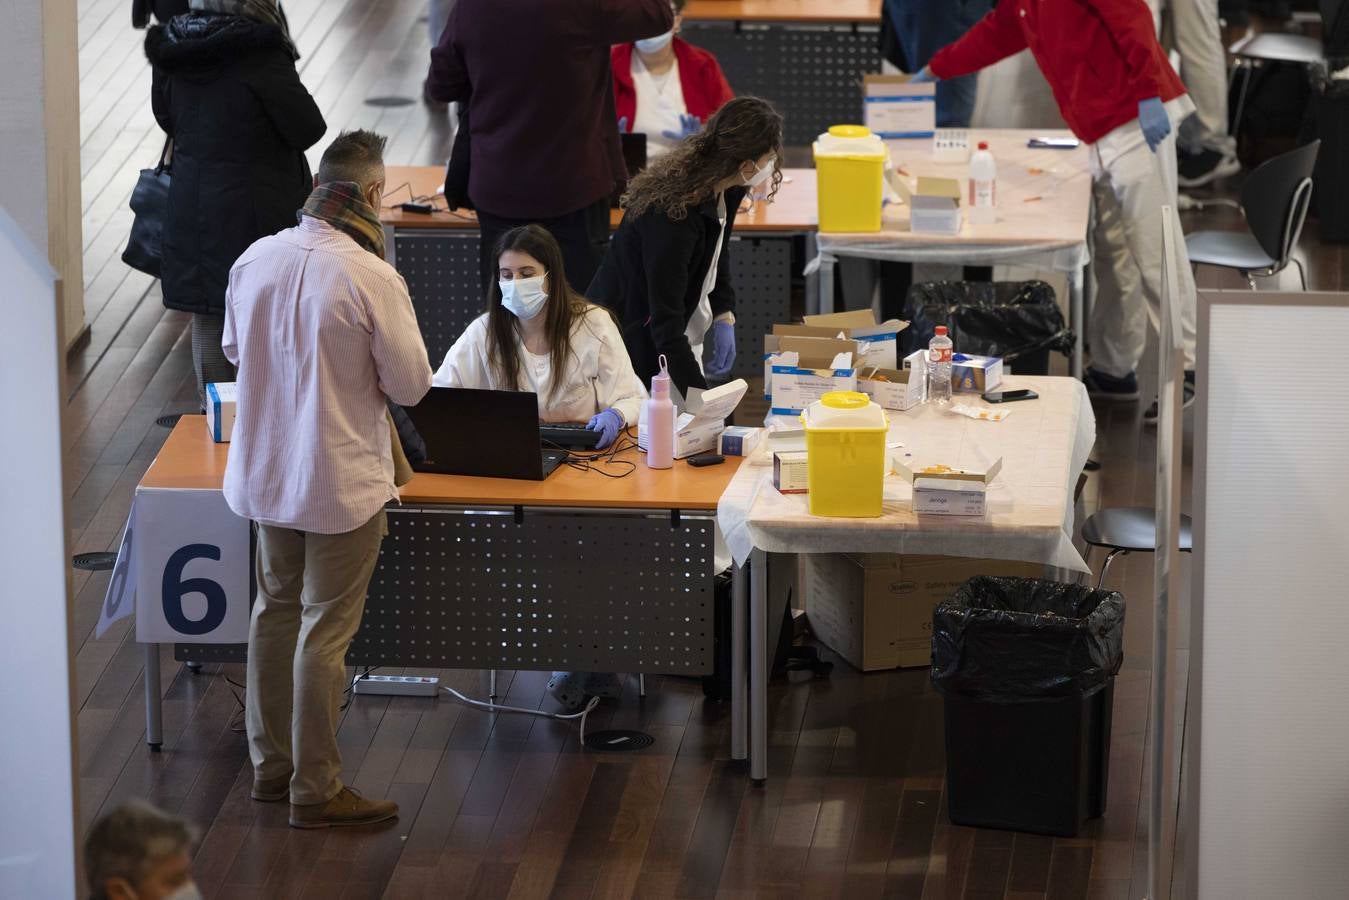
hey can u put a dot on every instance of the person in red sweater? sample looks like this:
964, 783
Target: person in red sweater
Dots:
1118, 93
665, 87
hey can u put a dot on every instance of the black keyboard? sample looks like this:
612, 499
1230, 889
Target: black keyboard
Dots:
570, 435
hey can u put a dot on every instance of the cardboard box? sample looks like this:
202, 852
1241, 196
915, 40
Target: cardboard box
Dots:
944, 491
877, 342
700, 419
899, 389
875, 610
975, 374
934, 205
738, 440
894, 108
804, 362
221, 406
790, 473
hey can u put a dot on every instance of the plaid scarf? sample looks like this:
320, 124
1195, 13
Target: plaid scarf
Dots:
268, 12
340, 204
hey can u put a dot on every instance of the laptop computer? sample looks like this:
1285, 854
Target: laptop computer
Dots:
494, 434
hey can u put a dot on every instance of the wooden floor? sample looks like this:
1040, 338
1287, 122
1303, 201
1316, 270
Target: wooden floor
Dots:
510, 806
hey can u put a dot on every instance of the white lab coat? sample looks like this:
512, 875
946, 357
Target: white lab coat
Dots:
599, 373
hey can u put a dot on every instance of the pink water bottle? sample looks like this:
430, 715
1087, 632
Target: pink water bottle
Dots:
660, 421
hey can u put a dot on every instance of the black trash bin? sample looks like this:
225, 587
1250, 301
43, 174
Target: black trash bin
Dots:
1017, 320
1027, 671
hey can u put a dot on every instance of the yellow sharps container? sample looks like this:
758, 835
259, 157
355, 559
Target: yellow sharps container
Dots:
849, 169
845, 446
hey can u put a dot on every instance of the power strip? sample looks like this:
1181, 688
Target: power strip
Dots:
398, 685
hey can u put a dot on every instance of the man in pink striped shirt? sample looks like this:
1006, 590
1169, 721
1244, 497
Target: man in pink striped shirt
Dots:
322, 330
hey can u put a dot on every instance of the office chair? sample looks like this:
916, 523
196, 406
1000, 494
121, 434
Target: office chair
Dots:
1127, 529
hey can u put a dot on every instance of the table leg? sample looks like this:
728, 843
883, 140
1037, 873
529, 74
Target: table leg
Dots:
812, 282
154, 700
739, 719
758, 666
1076, 319
825, 275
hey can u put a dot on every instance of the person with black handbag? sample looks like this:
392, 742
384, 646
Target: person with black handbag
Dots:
227, 93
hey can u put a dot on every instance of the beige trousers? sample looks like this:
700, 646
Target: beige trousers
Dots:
311, 594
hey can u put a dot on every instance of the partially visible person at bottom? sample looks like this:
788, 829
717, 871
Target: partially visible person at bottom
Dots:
666, 88
324, 334
226, 91
541, 336
667, 276
137, 852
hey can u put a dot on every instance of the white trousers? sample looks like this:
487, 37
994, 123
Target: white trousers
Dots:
1197, 38
1131, 184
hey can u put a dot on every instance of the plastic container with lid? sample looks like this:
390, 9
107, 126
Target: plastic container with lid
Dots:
845, 443
850, 170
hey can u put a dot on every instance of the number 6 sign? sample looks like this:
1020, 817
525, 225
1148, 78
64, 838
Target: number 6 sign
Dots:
192, 569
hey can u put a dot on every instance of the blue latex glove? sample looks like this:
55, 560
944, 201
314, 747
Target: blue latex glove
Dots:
1154, 121
723, 349
924, 76
608, 423
622, 124
688, 125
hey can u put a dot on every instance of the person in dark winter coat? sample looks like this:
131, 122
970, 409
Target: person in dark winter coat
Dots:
226, 91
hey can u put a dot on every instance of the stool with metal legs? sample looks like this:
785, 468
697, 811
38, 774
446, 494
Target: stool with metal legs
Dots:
1127, 529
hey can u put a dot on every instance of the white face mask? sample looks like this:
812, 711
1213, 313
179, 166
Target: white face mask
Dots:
524, 297
188, 891
760, 175
655, 44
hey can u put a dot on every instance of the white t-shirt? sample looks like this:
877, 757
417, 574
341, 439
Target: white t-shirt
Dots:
660, 103
599, 373
701, 320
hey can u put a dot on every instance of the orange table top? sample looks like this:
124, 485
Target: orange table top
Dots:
190, 460
793, 210
784, 10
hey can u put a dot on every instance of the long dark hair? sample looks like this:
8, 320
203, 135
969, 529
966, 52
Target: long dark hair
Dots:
561, 310
741, 131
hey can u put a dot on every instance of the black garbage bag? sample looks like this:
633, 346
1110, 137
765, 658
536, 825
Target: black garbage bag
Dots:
1019, 639
1017, 320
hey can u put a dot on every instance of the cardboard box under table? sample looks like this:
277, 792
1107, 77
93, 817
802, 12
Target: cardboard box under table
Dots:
875, 609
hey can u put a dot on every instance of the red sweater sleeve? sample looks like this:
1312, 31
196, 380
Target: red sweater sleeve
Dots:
996, 36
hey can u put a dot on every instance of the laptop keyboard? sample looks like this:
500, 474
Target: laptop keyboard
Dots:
569, 435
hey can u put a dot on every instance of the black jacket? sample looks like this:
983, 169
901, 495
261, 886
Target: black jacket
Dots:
652, 278
226, 90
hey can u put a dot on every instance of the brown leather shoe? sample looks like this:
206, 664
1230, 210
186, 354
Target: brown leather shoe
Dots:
270, 790
347, 808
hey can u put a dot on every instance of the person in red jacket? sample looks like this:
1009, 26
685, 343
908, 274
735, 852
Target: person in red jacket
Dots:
1118, 93
665, 87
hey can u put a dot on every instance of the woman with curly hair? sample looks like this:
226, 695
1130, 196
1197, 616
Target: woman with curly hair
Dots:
667, 274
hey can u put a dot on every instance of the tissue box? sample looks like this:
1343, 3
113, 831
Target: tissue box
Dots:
739, 440
221, 403
976, 374
934, 205
790, 473
944, 491
795, 388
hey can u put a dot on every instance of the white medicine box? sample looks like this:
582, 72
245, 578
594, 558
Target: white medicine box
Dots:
221, 404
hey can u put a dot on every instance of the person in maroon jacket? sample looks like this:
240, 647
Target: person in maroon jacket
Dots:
1118, 93
666, 88
543, 136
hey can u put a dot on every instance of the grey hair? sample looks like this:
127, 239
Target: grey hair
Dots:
356, 156
125, 842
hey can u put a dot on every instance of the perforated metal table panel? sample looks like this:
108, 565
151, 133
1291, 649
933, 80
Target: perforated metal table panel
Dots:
811, 73
441, 270
581, 590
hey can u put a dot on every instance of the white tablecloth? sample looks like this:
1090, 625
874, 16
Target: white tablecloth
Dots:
1043, 444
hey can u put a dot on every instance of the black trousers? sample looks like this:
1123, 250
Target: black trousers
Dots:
583, 236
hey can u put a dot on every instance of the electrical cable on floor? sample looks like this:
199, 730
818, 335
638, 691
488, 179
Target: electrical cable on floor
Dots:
543, 714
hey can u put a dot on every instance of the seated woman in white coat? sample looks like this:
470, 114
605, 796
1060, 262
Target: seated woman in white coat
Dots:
539, 335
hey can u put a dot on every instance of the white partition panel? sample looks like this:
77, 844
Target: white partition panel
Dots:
1270, 649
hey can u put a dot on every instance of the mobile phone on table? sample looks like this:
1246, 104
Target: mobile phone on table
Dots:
1010, 396
1054, 143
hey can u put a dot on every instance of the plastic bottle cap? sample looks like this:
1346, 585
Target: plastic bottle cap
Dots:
940, 329
850, 131
983, 145
845, 400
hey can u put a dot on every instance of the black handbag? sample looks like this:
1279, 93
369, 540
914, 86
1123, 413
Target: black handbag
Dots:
150, 203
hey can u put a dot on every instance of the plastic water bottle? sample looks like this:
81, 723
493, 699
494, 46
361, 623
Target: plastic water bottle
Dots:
983, 186
660, 420
939, 353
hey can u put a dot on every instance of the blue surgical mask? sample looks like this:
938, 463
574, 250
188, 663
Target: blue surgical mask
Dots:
655, 44
524, 297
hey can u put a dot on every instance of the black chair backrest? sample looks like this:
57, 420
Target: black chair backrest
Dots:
1272, 192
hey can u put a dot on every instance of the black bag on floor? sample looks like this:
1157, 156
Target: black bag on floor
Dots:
1017, 320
